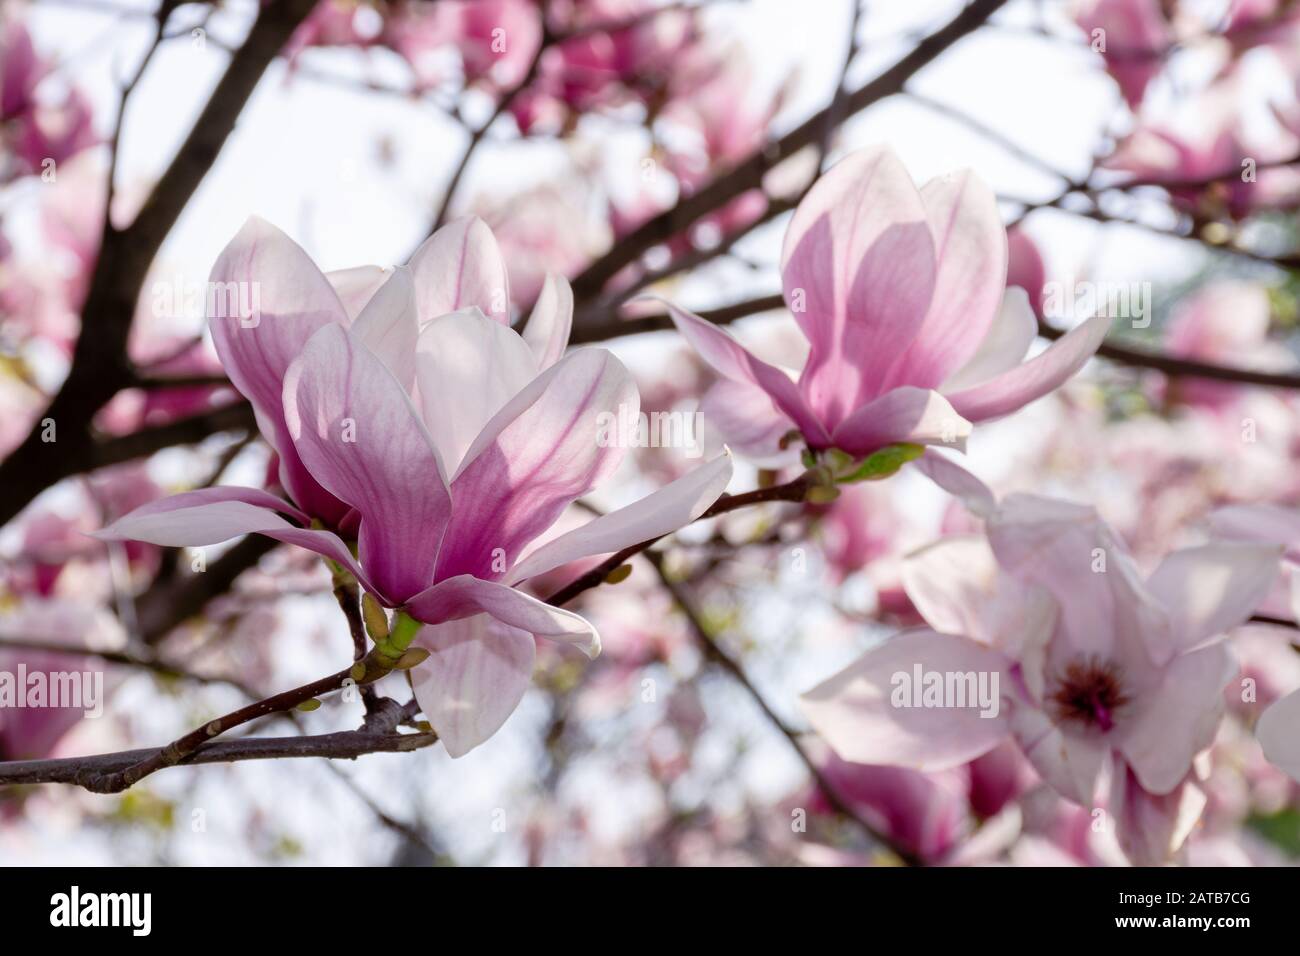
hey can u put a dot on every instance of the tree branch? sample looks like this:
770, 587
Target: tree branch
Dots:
100, 366
111, 773
749, 173
715, 653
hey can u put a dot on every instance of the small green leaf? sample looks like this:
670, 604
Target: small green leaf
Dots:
883, 463
307, 706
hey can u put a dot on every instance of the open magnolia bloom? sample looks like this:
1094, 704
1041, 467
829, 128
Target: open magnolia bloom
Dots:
1044, 632
410, 418
912, 333
1278, 729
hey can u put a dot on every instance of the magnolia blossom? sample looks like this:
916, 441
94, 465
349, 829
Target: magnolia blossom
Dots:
1213, 160
31, 730
410, 418
1132, 36
1227, 323
34, 132
620, 51
1097, 668
1278, 725
901, 294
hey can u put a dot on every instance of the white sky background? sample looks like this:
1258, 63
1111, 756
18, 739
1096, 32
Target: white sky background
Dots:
306, 156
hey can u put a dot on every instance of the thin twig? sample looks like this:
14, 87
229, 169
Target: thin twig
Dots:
717, 655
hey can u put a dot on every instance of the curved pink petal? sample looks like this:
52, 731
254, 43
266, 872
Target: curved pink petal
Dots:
548, 446
551, 321
1178, 718
748, 422
733, 361
1278, 731
905, 414
958, 588
468, 368
1003, 348
202, 496
865, 711
858, 272
1151, 827
460, 267
971, 249
355, 428
465, 595
198, 518
1019, 386
672, 507
388, 327
266, 299
1209, 589
1069, 763
477, 672
1273, 524
1067, 549
958, 482
1025, 268
355, 286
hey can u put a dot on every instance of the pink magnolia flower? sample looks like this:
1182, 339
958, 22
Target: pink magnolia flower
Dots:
1136, 36
1227, 323
34, 732
856, 528
524, 224
1096, 667
1277, 727
1267, 22
599, 65
497, 39
1025, 268
35, 131
924, 814
439, 439
335, 23
1205, 152
900, 294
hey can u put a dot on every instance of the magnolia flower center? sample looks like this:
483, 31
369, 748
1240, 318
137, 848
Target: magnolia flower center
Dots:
1089, 692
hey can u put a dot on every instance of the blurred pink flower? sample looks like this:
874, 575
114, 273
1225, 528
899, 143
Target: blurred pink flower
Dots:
1135, 37
900, 294
924, 814
34, 132
1224, 323
1211, 165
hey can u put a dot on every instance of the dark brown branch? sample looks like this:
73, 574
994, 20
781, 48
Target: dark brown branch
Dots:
715, 653
613, 325
111, 773
1273, 621
183, 431
100, 367
345, 745
1183, 368
121, 658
